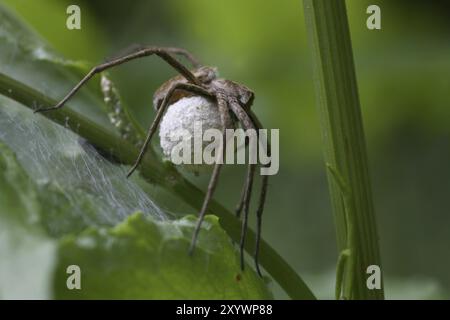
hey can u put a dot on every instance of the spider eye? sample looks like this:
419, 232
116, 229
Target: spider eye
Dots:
206, 74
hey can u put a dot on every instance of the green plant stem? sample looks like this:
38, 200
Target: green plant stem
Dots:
161, 173
344, 146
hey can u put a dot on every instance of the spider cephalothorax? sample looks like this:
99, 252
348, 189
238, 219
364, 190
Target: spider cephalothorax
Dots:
204, 76
233, 103
208, 79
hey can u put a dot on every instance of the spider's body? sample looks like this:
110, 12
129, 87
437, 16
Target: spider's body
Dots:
209, 80
204, 76
233, 102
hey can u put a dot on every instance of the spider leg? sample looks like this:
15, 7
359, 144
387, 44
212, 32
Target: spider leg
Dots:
247, 123
262, 200
259, 212
179, 86
182, 52
163, 53
248, 193
178, 51
226, 121
241, 202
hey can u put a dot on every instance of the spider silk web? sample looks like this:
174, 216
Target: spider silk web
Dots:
52, 154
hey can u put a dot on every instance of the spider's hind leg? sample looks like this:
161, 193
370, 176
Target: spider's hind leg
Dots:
259, 212
244, 202
247, 196
249, 120
261, 201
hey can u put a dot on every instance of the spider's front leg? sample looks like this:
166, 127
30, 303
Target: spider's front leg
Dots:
163, 53
226, 123
135, 47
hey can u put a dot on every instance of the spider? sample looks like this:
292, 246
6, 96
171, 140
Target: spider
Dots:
233, 101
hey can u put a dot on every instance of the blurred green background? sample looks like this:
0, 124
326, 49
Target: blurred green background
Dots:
403, 75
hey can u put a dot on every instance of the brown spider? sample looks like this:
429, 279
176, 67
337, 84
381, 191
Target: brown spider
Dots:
233, 101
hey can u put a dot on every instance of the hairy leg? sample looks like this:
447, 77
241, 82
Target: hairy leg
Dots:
160, 52
240, 204
261, 202
177, 51
182, 52
259, 212
247, 123
248, 193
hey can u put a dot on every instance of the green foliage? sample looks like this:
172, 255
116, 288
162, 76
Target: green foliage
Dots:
59, 204
32, 61
26, 252
140, 258
147, 259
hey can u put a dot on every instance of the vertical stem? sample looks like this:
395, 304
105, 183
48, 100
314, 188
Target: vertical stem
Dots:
344, 145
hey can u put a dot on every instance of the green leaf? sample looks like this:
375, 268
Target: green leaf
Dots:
29, 59
53, 211
27, 254
140, 258
145, 259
